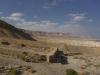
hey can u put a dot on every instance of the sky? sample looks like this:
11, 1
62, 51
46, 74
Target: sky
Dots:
79, 17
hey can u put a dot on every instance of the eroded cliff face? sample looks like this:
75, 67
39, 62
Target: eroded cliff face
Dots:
7, 30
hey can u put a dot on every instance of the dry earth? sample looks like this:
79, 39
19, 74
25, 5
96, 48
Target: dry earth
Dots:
87, 62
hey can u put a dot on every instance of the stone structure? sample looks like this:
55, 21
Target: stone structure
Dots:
58, 57
55, 56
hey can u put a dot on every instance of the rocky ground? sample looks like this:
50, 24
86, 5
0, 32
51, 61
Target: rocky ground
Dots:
84, 65
17, 53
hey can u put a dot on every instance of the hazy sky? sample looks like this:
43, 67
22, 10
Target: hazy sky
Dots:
73, 16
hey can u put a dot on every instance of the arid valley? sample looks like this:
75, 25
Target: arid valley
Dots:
40, 53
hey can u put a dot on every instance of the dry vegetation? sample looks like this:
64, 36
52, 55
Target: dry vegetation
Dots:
19, 52
82, 60
19, 56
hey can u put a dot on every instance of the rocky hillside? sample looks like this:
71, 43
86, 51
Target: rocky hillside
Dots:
7, 30
53, 34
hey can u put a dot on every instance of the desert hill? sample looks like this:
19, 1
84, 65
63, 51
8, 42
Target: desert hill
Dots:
52, 34
7, 30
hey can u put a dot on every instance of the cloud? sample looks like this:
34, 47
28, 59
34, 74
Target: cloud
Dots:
35, 16
1, 13
17, 14
53, 3
14, 17
90, 20
71, 28
79, 17
49, 26
38, 26
73, 25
